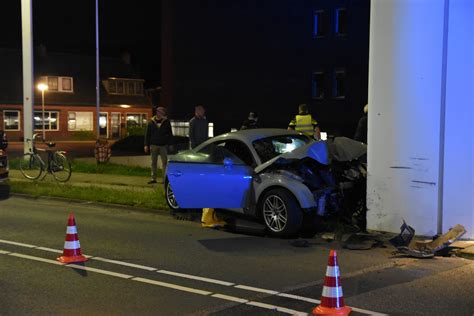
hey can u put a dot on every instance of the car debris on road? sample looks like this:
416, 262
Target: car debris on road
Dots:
405, 243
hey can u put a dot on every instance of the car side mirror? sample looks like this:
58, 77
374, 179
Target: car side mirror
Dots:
228, 163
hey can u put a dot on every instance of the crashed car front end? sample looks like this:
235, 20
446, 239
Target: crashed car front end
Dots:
326, 177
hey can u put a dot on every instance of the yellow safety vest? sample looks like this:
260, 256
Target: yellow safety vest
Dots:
304, 124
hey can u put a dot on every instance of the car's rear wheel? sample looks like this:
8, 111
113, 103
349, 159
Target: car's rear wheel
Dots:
170, 198
281, 213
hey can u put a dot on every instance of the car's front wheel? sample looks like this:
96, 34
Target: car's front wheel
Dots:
170, 198
281, 213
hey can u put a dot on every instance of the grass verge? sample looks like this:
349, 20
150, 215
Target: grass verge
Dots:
106, 168
137, 198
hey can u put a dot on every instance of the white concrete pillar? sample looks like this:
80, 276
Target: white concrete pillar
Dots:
28, 78
410, 68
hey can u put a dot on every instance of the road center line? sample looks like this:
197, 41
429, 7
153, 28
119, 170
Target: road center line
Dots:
189, 276
159, 283
194, 277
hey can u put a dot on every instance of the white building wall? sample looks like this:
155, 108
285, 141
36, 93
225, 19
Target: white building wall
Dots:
458, 197
405, 77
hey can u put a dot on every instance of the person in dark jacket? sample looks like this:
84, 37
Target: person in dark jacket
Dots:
361, 131
198, 127
251, 121
157, 138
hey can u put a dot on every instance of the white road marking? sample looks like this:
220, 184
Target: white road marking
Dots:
230, 298
132, 265
17, 243
173, 286
101, 271
256, 289
161, 284
49, 249
188, 276
19, 255
194, 277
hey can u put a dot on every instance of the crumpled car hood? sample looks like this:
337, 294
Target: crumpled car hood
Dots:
340, 149
315, 150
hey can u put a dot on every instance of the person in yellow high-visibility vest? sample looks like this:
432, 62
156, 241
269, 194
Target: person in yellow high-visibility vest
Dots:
305, 123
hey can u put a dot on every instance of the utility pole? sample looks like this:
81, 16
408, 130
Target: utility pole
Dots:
97, 75
28, 86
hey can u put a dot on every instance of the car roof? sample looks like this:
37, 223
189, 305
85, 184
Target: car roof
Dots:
251, 135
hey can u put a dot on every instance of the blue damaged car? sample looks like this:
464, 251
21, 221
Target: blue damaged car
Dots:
280, 177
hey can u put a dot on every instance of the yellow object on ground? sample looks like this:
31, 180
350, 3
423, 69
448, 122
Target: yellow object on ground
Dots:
209, 219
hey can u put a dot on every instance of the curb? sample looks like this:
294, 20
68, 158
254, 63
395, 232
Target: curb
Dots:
78, 201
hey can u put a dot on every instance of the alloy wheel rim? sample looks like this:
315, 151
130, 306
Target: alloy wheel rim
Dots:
170, 197
275, 213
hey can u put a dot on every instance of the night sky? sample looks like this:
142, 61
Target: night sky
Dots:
69, 26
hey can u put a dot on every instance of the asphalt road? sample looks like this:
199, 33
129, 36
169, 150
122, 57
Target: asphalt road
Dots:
161, 266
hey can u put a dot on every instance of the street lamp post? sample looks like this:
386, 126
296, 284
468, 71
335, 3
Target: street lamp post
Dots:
43, 87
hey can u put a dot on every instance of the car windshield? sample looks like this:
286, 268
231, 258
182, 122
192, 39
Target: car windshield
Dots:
270, 147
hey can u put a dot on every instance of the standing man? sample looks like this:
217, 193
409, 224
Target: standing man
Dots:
157, 138
251, 122
304, 123
198, 127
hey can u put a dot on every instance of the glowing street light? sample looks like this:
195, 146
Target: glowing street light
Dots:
43, 87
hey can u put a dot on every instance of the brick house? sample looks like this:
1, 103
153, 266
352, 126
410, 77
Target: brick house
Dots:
70, 101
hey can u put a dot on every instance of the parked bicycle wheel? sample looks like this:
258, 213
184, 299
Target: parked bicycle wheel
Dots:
31, 166
60, 167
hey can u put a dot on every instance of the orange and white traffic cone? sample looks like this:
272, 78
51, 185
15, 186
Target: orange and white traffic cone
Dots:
72, 247
332, 299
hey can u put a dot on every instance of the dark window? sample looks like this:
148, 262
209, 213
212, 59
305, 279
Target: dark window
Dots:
341, 21
318, 21
139, 88
120, 87
66, 84
339, 83
112, 86
317, 85
131, 88
53, 83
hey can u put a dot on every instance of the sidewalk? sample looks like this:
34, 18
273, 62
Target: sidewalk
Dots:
111, 181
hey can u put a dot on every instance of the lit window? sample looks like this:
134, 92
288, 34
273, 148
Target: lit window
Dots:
11, 120
53, 83
80, 121
341, 21
339, 83
136, 119
317, 85
318, 20
51, 120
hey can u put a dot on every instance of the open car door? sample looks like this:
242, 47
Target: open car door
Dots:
215, 180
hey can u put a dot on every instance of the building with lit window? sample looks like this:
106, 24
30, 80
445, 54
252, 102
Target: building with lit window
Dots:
70, 100
266, 56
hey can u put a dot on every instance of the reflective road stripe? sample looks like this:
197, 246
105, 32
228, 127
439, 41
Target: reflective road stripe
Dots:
72, 244
71, 230
332, 271
332, 292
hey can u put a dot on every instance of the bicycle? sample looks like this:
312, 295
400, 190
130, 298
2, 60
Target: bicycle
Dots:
32, 166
